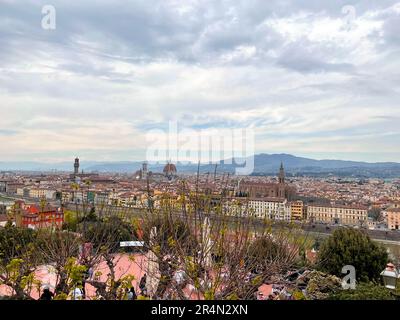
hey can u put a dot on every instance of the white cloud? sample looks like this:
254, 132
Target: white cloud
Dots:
299, 75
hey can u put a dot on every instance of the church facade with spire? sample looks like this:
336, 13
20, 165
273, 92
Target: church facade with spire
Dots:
259, 189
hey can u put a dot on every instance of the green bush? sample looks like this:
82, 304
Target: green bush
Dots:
347, 246
364, 291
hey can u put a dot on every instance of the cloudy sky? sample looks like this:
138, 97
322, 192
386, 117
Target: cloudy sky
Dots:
311, 78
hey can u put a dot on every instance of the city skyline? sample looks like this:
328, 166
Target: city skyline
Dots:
240, 150
317, 80
259, 165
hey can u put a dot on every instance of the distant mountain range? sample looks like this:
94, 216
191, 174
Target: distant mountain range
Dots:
268, 164
263, 164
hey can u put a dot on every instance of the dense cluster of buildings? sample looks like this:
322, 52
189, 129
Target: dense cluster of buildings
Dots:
330, 200
278, 201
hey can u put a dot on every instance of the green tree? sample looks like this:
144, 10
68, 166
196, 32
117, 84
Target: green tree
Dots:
364, 291
70, 220
18, 259
375, 213
348, 246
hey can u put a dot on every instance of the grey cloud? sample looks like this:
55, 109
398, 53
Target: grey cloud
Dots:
155, 30
305, 63
391, 29
188, 65
305, 56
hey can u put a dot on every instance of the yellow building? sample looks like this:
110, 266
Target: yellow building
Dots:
337, 214
66, 196
297, 210
37, 193
393, 218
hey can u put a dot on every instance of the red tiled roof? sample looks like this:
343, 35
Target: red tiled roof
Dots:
32, 209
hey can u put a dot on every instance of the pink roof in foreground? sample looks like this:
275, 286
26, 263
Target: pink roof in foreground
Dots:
125, 265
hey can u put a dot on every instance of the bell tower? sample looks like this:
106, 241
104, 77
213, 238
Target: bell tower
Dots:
76, 166
281, 185
281, 174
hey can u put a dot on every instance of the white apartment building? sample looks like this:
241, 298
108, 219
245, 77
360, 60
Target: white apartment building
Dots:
270, 208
